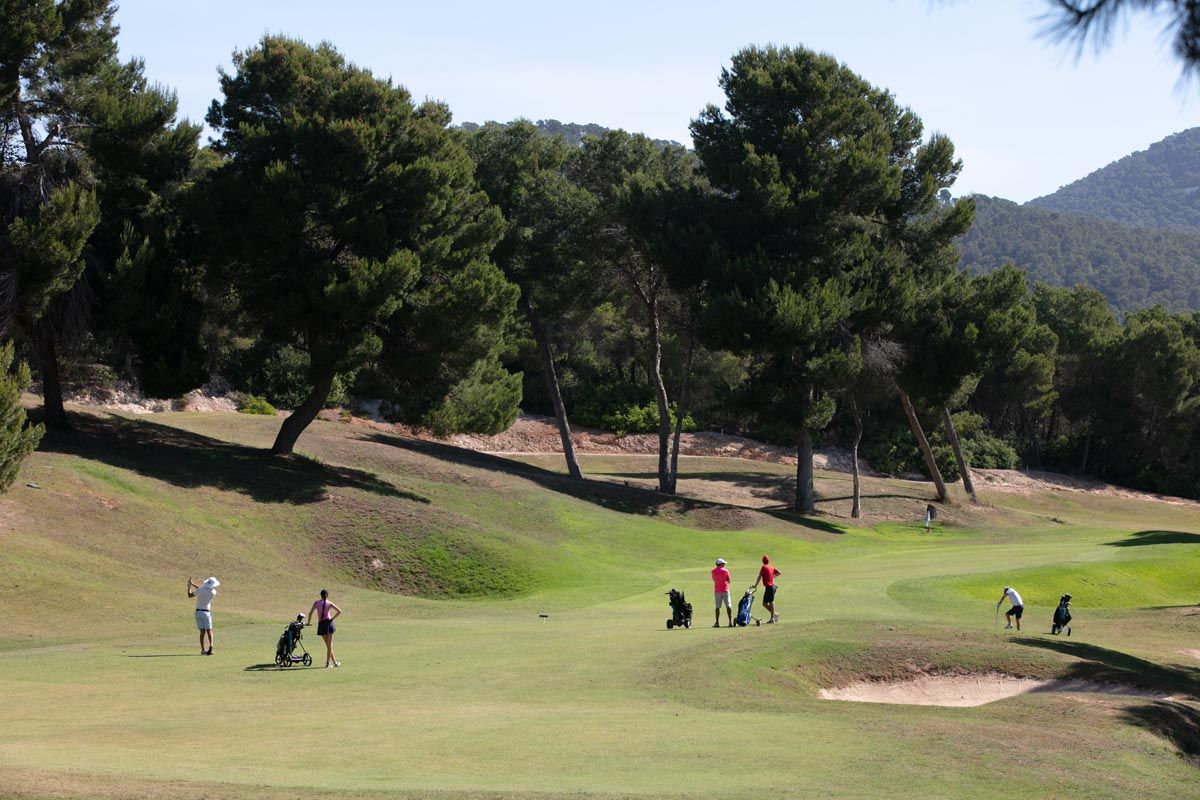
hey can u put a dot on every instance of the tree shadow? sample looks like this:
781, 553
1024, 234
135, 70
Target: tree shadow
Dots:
1144, 538
1176, 722
605, 493
191, 460
796, 518
1104, 666
761, 485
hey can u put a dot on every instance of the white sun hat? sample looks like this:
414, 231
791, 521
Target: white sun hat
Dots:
211, 583
720, 562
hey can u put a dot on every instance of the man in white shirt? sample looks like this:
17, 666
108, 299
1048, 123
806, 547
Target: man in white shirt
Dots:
204, 594
1018, 607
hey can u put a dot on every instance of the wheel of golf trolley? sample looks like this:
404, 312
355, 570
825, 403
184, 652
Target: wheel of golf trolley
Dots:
307, 660
670, 624
687, 623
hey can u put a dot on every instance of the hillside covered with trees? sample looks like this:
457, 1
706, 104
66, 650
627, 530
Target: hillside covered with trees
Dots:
1133, 267
1158, 187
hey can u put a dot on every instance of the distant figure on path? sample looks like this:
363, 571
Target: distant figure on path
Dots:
721, 579
1018, 607
204, 594
767, 575
325, 613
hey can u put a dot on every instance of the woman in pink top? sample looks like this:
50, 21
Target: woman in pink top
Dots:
325, 612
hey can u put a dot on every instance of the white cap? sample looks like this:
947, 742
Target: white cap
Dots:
720, 562
211, 583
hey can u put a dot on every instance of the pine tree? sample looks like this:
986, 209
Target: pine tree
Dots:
826, 205
340, 206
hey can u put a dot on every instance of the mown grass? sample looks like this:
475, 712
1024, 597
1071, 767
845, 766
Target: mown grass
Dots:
454, 686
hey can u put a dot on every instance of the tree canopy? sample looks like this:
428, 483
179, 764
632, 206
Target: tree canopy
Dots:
339, 203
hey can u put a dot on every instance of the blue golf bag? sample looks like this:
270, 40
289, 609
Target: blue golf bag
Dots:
745, 606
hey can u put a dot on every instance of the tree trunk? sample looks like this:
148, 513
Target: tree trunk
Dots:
54, 414
654, 371
1087, 449
806, 497
856, 502
560, 411
923, 443
681, 411
964, 468
300, 418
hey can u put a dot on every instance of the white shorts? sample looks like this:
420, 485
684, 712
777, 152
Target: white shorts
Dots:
722, 599
203, 620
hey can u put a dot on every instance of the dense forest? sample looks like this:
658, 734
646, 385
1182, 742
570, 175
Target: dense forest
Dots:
1133, 267
1155, 188
794, 277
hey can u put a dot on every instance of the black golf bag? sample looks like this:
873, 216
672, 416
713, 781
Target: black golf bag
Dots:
681, 610
291, 638
745, 606
1062, 616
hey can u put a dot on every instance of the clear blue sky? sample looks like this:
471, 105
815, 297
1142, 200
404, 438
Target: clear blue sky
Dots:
1026, 115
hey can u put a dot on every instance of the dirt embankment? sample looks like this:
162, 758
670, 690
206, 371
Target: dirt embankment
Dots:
535, 434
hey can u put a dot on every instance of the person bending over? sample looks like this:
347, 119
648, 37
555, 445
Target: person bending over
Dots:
1018, 607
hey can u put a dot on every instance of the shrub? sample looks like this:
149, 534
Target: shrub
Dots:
253, 404
17, 439
642, 419
486, 401
893, 450
985, 451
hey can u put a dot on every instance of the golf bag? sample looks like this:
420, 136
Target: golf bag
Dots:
291, 638
1062, 616
681, 610
745, 606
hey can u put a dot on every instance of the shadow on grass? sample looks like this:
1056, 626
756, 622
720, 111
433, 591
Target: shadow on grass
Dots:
778, 488
768, 486
190, 460
168, 655
1176, 722
1102, 665
272, 667
604, 493
1145, 538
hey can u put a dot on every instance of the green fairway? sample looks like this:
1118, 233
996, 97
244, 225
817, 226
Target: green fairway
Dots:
454, 685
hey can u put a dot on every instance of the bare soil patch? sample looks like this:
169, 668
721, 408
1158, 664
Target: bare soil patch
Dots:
964, 691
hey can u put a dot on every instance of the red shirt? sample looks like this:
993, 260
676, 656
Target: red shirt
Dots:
768, 573
720, 579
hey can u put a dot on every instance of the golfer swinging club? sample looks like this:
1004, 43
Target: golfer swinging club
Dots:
204, 594
1018, 607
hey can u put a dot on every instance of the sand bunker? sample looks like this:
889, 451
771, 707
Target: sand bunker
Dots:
961, 691
1192, 653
